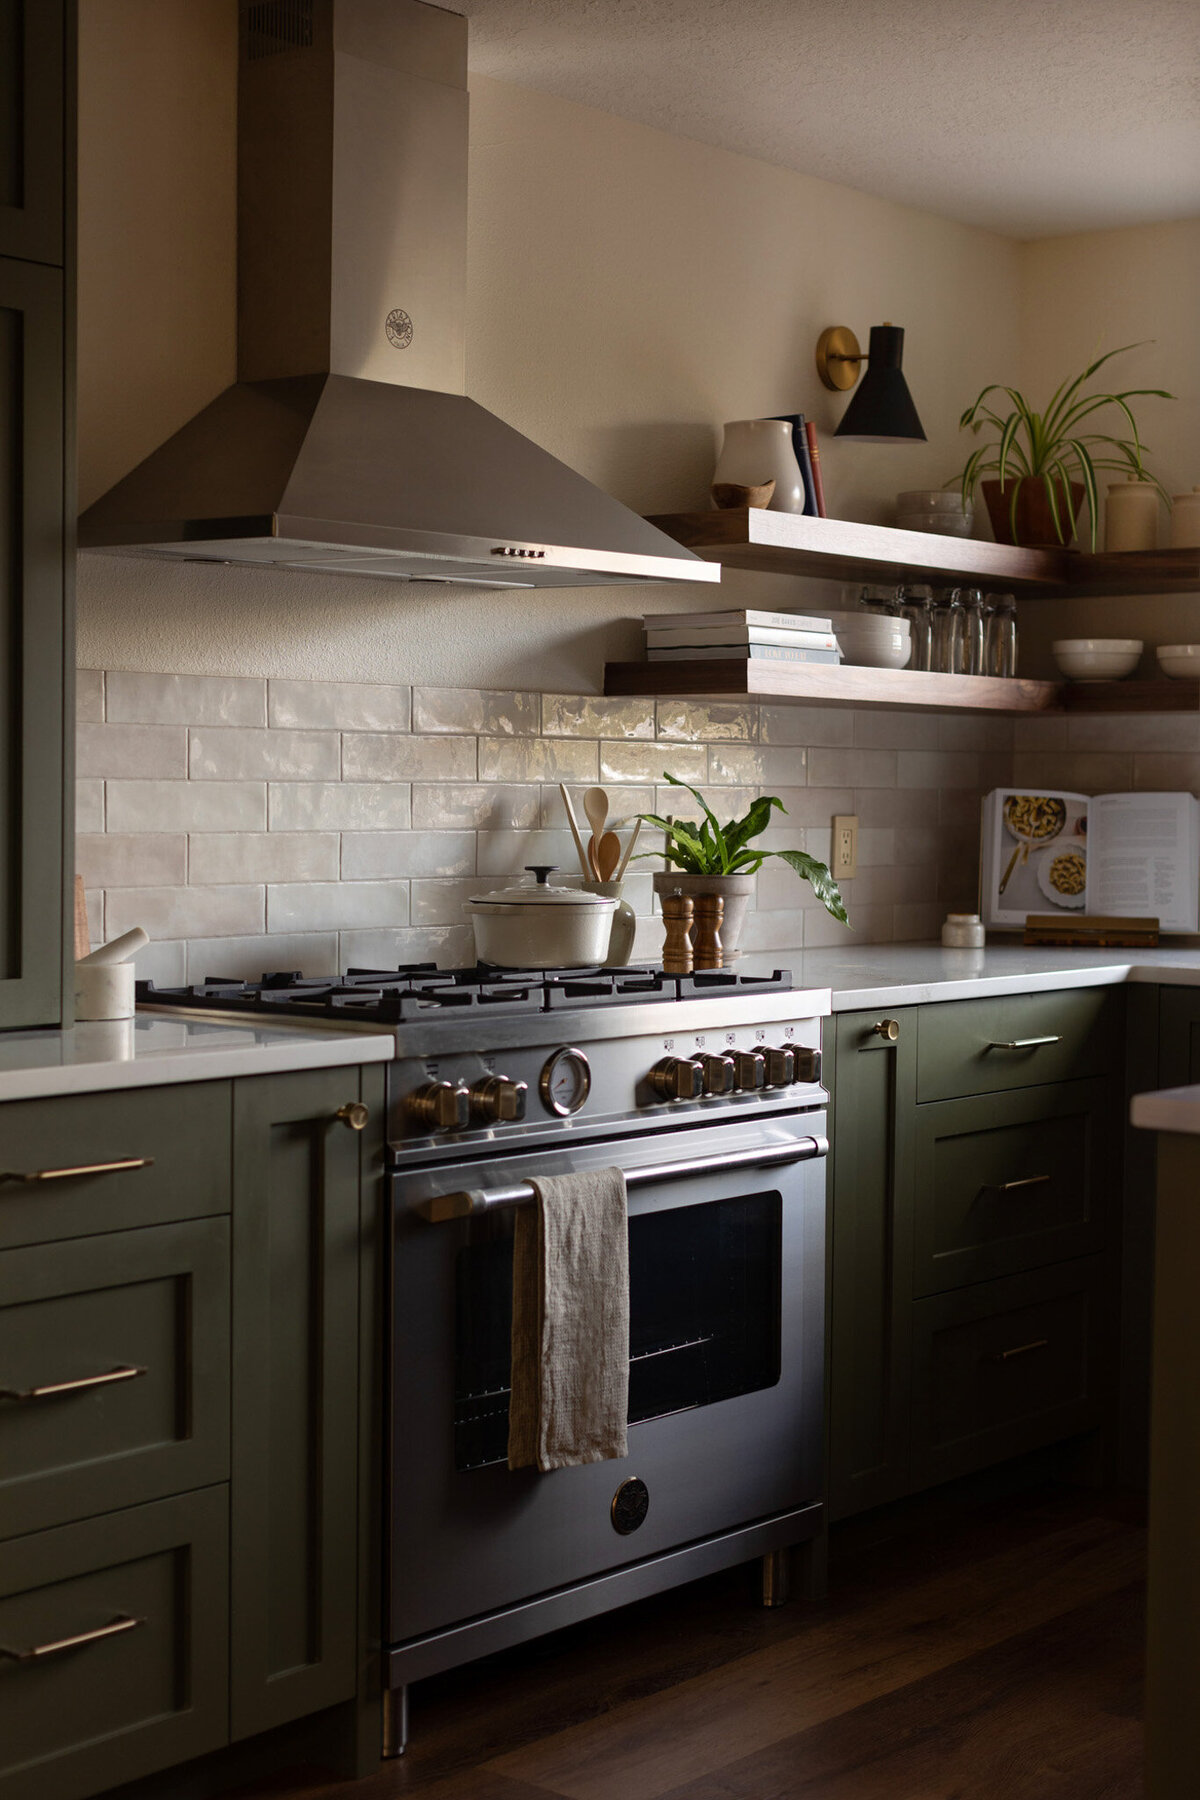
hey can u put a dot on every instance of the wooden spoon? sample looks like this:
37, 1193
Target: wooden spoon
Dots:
595, 807
608, 855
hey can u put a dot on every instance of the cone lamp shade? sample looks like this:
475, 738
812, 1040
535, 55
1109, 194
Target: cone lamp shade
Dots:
882, 410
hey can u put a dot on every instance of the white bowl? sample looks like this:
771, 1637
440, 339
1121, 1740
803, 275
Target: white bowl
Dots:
873, 648
1097, 659
866, 624
947, 524
1180, 661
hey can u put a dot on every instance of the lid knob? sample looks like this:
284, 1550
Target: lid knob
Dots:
540, 871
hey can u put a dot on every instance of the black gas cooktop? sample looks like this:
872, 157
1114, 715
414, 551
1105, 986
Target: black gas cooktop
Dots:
417, 990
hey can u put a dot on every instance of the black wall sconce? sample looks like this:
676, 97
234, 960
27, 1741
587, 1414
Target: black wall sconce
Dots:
882, 411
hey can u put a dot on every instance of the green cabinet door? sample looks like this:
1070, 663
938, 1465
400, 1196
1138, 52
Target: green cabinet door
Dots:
1179, 1037
33, 128
294, 1475
872, 1140
36, 774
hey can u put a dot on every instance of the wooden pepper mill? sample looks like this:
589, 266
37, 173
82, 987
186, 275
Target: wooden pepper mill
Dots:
677, 947
706, 950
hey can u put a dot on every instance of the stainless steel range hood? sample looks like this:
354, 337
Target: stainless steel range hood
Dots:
347, 443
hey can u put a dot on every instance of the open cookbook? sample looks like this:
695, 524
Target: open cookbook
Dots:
1128, 854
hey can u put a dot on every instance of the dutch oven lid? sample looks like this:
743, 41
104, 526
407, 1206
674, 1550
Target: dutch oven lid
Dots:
542, 894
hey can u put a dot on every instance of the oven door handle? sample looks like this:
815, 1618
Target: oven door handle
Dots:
469, 1203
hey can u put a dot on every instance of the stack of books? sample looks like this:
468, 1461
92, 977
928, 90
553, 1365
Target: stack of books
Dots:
739, 636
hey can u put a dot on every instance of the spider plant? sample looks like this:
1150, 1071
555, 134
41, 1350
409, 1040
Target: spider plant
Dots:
1051, 447
709, 848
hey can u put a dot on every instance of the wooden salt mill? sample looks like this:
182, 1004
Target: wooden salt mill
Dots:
706, 951
677, 948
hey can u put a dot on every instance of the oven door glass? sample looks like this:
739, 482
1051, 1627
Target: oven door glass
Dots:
704, 1286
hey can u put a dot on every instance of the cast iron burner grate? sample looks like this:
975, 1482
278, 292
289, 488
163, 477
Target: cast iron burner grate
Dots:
421, 990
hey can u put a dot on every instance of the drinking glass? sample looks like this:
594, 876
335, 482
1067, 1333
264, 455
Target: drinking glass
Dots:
948, 655
972, 605
915, 606
1000, 639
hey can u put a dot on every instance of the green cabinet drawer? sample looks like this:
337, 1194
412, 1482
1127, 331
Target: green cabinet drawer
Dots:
1020, 1040
1004, 1367
1012, 1181
113, 1647
114, 1371
173, 1141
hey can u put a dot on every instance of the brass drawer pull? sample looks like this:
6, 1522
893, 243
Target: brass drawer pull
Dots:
124, 1622
1025, 1043
354, 1114
1001, 1356
1007, 1187
108, 1168
887, 1029
126, 1372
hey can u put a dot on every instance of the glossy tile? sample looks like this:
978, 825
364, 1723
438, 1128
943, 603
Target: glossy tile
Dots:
582, 716
183, 912
695, 721
185, 699
393, 756
481, 712
131, 859
131, 750
186, 805
538, 759
89, 696
336, 905
245, 958
449, 946
396, 855
340, 806
247, 755
339, 705
263, 856
635, 760
451, 806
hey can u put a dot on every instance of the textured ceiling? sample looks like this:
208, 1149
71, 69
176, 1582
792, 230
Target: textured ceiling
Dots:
1029, 117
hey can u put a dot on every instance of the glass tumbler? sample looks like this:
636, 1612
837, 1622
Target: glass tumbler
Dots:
949, 649
915, 606
972, 605
1000, 640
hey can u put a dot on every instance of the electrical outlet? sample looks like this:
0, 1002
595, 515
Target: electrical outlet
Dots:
845, 846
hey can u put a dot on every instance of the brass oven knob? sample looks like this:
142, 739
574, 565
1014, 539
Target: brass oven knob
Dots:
499, 1100
676, 1078
750, 1070
717, 1074
781, 1066
808, 1063
442, 1105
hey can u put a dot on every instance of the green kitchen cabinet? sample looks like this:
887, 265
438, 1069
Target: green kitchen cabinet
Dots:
976, 1157
297, 1166
1178, 1037
36, 510
872, 1133
34, 125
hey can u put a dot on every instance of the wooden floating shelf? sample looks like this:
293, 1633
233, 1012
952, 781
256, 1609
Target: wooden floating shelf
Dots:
825, 684
780, 543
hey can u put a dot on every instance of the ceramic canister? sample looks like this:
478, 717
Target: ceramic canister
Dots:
1185, 521
1131, 516
759, 450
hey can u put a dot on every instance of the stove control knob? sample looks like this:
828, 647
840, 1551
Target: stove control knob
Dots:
808, 1063
750, 1070
717, 1072
676, 1078
499, 1100
781, 1066
442, 1105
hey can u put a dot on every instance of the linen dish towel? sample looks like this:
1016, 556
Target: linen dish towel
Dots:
570, 1327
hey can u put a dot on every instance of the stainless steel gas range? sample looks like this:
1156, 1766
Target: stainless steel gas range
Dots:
706, 1091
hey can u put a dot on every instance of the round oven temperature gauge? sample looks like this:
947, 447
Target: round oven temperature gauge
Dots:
565, 1082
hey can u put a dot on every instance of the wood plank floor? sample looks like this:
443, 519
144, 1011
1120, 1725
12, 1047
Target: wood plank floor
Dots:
967, 1651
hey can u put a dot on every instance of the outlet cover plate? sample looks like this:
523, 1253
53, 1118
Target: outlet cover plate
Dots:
845, 846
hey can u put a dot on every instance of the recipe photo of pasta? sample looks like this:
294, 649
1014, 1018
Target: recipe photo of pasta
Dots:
1035, 816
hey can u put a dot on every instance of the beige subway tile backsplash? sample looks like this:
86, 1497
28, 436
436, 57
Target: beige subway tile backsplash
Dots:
693, 721
185, 699
131, 859
185, 912
396, 855
339, 705
538, 759
118, 750
336, 905
89, 803
581, 716
477, 711
222, 754
340, 806
89, 696
473, 806
186, 805
393, 756
224, 856
633, 759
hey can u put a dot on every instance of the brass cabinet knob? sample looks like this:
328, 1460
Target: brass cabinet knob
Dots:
354, 1114
887, 1029
441, 1105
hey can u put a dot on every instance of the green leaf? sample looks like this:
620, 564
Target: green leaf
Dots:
722, 860
819, 877
738, 831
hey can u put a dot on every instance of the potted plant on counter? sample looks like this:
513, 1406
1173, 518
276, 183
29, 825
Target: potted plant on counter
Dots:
710, 858
1045, 463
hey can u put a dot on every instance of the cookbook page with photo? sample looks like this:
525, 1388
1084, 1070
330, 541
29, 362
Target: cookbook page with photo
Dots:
1145, 857
1034, 855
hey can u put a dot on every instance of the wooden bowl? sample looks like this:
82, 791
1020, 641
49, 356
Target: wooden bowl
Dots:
727, 496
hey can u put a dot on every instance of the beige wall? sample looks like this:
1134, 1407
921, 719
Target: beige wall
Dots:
1080, 296
629, 290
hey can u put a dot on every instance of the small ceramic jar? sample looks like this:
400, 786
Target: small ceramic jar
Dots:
1131, 516
962, 931
1185, 521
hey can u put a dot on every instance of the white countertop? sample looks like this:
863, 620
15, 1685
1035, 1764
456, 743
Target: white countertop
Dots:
915, 974
151, 1051
1171, 1109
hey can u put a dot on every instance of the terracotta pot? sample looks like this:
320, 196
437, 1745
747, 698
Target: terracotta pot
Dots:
1035, 521
737, 891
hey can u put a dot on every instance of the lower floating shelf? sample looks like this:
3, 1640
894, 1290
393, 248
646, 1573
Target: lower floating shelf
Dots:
820, 684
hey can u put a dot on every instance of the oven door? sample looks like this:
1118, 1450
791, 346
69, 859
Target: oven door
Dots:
727, 1269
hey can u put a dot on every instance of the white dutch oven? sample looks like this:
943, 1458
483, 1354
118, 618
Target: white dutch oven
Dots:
541, 927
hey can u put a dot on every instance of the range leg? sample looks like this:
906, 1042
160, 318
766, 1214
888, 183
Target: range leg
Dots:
395, 1721
777, 1577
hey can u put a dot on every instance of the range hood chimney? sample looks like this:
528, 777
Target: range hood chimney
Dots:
347, 443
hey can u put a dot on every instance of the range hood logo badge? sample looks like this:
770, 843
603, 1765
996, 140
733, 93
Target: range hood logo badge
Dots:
399, 328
